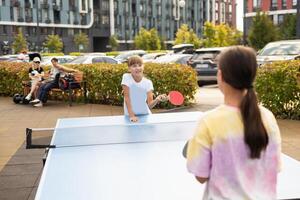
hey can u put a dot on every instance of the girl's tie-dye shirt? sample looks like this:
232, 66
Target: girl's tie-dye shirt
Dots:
218, 152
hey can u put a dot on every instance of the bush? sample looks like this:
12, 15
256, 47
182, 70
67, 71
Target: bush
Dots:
112, 53
53, 54
103, 80
75, 54
11, 76
278, 88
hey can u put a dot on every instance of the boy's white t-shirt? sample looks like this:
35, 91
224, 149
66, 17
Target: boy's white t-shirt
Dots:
138, 94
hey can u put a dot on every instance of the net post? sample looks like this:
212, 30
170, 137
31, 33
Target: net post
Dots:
28, 138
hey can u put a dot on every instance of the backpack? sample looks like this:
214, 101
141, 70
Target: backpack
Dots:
67, 80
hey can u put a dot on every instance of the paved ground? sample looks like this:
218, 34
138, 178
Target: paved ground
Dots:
20, 169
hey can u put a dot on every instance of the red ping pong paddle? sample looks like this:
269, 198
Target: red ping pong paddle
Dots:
176, 98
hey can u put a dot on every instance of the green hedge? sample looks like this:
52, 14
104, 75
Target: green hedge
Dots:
103, 80
53, 54
75, 53
112, 53
278, 88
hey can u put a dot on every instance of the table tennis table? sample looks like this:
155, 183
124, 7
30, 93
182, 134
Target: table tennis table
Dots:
110, 158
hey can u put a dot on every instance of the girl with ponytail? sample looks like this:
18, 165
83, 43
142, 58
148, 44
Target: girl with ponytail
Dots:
236, 148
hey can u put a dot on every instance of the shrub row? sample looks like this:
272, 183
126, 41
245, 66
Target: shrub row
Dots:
103, 80
278, 88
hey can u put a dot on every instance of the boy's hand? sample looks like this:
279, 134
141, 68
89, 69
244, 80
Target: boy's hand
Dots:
162, 98
133, 119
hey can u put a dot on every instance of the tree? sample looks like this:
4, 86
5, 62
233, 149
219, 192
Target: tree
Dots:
147, 40
220, 35
162, 43
187, 36
113, 42
262, 31
53, 43
209, 34
288, 27
20, 42
81, 40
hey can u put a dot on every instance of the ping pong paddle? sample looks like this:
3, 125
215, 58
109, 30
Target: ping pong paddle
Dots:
176, 98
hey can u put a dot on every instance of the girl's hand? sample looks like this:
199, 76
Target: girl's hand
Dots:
133, 119
162, 98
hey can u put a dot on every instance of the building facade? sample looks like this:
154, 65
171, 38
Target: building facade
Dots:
102, 18
225, 12
275, 9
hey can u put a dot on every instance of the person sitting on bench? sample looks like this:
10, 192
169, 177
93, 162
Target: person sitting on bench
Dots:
36, 73
56, 71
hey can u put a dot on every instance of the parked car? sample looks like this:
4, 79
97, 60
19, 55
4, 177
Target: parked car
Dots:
150, 57
183, 48
173, 58
89, 59
204, 62
46, 60
123, 56
14, 58
280, 50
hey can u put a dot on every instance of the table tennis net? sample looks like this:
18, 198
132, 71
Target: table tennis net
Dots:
122, 134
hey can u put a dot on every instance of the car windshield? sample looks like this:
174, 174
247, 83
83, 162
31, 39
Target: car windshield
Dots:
169, 58
149, 56
79, 60
205, 55
281, 49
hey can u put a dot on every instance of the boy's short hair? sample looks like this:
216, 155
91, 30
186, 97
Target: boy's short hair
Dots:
54, 59
135, 60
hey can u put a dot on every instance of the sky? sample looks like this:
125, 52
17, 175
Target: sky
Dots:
239, 15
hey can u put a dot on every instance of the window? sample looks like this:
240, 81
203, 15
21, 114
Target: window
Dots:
294, 2
83, 6
105, 5
284, 3
97, 60
5, 29
222, 18
280, 19
71, 32
257, 3
274, 3
104, 19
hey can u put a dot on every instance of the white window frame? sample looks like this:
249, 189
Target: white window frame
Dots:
86, 6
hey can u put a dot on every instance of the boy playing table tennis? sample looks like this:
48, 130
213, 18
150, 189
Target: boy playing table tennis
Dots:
138, 90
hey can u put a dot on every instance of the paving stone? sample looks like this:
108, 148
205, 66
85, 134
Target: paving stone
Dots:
22, 169
30, 159
15, 194
19, 181
32, 194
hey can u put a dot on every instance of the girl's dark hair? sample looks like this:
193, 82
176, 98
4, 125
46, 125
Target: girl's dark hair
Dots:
54, 59
238, 66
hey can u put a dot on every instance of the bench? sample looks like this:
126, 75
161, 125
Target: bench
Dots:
78, 79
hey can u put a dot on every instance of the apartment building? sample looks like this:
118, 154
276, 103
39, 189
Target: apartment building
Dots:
102, 18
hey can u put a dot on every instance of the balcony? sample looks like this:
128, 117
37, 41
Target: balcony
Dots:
27, 5
105, 12
76, 22
28, 19
56, 7
73, 8
44, 5
20, 19
48, 21
16, 3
